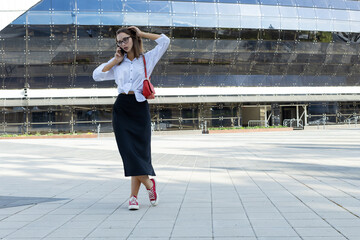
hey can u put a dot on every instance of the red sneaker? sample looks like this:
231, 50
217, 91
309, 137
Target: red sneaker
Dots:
153, 196
133, 203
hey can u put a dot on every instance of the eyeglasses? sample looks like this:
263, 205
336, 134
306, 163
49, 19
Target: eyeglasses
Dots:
124, 41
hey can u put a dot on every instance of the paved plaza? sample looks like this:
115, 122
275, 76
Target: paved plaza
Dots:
274, 185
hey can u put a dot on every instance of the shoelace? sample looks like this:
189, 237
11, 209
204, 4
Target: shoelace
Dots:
151, 194
133, 201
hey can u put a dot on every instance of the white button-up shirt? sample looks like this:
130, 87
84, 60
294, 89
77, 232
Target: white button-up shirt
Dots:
130, 75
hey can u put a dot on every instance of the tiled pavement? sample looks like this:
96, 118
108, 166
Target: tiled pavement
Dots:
274, 186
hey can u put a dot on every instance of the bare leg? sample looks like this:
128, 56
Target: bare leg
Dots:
135, 186
145, 180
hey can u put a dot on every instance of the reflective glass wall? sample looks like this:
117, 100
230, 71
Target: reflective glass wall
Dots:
57, 44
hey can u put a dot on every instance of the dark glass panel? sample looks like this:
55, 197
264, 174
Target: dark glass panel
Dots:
16, 58
301, 58
305, 47
104, 113
88, 38
225, 46
240, 68
205, 33
83, 77
63, 38
306, 36
228, 33
343, 69
336, 48
260, 69
41, 114
313, 68
328, 69
295, 69
14, 38
288, 35
353, 80
264, 57
204, 47
277, 69
270, 35
39, 38
189, 115
14, 76
282, 58
246, 46
15, 115
85, 114
355, 69
318, 108
316, 58
182, 32
62, 74
63, 58
324, 37
181, 46
40, 76
266, 46
250, 34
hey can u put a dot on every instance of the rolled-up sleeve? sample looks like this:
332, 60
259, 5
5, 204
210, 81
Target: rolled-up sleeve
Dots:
154, 55
99, 75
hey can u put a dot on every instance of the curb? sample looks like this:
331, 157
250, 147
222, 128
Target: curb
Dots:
251, 130
56, 136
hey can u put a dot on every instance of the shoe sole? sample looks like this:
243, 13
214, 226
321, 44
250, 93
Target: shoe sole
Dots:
133, 207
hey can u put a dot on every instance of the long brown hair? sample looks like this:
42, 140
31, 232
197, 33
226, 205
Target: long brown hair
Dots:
137, 42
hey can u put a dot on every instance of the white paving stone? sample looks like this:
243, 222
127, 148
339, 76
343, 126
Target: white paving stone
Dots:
264, 186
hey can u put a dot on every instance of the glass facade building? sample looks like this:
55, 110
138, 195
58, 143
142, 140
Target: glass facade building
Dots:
230, 63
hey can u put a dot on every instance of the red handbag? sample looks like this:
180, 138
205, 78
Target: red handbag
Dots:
148, 88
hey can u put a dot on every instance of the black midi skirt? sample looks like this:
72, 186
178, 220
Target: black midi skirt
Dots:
132, 128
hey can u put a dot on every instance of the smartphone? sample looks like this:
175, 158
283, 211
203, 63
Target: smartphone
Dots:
121, 51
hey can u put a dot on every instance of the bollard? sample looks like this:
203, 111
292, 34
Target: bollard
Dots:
98, 130
205, 130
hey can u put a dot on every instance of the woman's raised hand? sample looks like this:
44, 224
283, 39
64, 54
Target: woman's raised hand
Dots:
137, 30
118, 55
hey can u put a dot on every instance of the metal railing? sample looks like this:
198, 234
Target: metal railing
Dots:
320, 121
293, 122
353, 120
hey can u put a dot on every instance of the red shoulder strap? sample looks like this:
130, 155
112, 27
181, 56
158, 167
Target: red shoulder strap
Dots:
145, 66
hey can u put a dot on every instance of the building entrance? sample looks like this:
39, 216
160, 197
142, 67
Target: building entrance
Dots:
293, 116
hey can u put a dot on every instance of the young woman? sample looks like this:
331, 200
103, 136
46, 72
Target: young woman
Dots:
131, 115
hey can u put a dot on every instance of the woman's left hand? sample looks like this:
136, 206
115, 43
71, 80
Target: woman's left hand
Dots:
137, 30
